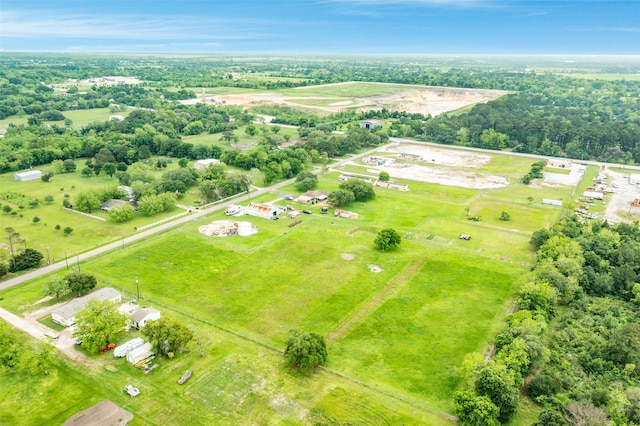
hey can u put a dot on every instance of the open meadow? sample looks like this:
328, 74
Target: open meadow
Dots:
395, 337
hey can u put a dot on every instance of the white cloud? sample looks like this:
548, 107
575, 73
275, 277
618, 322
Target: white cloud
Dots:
125, 27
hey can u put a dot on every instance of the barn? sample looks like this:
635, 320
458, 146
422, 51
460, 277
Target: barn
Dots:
265, 211
28, 175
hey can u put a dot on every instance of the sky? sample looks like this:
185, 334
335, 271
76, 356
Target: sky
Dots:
598, 27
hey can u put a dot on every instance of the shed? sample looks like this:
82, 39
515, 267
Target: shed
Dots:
140, 353
370, 124
65, 314
104, 413
204, 164
552, 202
265, 211
28, 175
141, 316
127, 347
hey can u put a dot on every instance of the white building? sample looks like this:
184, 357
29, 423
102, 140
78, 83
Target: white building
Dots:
65, 315
265, 211
140, 353
634, 179
204, 164
140, 317
28, 175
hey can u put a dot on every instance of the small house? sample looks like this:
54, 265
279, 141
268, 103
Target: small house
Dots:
204, 164
65, 314
140, 354
28, 175
140, 317
370, 124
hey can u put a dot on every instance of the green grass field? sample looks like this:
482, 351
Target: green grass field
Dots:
395, 338
349, 90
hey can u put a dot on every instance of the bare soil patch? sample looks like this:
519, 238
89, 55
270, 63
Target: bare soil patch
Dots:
347, 256
621, 200
424, 100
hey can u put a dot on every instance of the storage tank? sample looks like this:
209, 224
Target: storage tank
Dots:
244, 229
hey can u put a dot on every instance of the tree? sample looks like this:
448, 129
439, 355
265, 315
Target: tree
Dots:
305, 350
9, 347
48, 199
109, 169
56, 288
121, 213
46, 177
474, 410
341, 198
37, 357
87, 201
98, 324
6, 208
13, 238
384, 176
69, 165
67, 231
79, 282
387, 239
306, 181
495, 382
362, 190
250, 130
35, 219
29, 258
505, 217
167, 334
183, 162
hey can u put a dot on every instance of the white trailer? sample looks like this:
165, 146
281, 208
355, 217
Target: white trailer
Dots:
140, 354
125, 348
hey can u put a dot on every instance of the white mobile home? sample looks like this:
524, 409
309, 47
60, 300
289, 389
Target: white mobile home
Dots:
125, 348
140, 353
65, 314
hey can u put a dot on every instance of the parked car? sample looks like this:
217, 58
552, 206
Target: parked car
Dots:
306, 211
465, 237
131, 390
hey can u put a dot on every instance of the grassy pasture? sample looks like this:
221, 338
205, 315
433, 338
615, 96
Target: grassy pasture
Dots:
349, 90
88, 232
391, 331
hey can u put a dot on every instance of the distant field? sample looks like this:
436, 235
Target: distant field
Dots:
348, 90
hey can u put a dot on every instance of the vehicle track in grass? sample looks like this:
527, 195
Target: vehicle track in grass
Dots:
377, 300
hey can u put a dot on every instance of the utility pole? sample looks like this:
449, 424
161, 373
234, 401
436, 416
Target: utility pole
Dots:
137, 289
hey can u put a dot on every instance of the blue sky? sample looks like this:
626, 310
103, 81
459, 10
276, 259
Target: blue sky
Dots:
323, 26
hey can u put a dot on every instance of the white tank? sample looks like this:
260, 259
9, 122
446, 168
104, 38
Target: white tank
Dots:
244, 229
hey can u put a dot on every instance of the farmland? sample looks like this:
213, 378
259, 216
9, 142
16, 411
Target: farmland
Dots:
390, 335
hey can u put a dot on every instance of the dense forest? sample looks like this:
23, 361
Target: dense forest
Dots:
573, 344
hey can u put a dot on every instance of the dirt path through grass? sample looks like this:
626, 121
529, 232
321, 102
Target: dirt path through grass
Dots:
377, 300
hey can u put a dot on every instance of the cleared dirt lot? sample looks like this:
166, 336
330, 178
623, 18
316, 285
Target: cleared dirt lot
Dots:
431, 168
424, 99
621, 200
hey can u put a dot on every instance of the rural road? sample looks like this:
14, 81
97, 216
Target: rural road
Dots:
65, 341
